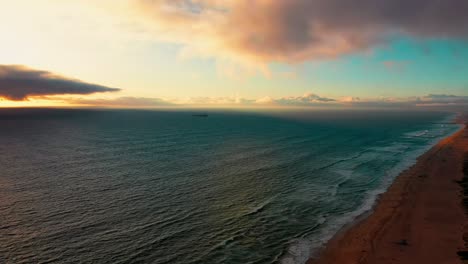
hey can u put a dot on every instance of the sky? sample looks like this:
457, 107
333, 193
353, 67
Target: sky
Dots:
234, 53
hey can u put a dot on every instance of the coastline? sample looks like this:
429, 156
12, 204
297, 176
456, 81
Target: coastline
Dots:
419, 219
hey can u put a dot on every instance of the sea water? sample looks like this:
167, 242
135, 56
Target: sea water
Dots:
122, 186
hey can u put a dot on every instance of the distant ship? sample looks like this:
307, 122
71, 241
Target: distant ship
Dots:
200, 115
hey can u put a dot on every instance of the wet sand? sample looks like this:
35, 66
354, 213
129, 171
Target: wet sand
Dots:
420, 219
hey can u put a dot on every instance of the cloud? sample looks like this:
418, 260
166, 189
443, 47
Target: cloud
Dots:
441, 100
207, 101
396, 65
308, 99
294, 31
125, 102
19, 83
144, 102
349, 99
431, 100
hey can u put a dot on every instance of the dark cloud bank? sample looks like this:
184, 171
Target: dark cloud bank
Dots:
19, 83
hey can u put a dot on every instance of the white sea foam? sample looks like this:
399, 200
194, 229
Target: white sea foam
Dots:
260, 206
345, 176
393, 148
300, 250
417, 134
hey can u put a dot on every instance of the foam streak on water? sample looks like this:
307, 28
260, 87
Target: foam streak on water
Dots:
167, 187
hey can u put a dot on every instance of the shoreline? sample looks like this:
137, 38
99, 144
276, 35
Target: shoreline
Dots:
408, 212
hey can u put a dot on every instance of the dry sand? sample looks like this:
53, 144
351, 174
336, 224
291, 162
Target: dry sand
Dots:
420, 219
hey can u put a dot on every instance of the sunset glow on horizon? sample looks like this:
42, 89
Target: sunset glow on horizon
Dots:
203, 53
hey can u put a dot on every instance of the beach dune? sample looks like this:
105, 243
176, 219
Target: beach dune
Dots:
420, 219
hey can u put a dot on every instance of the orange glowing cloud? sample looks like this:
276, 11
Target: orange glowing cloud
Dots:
294, 31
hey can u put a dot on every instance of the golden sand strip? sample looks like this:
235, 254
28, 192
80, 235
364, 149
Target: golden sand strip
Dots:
420, 219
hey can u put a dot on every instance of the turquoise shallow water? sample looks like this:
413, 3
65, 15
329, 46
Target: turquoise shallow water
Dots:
114, 186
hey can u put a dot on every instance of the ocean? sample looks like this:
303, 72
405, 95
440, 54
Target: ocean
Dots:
128, 186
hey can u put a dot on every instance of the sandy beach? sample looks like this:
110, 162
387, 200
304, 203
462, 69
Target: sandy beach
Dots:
420, 219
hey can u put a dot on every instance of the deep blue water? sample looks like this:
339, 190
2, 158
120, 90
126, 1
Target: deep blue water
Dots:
115, 186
